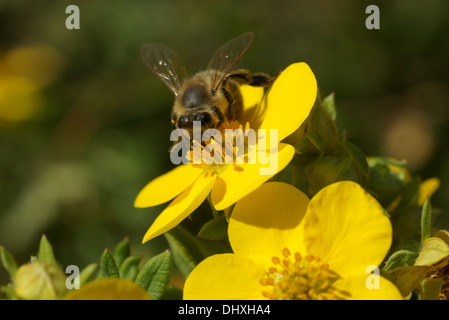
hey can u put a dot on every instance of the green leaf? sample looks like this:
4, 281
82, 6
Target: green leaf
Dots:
327, 171
122, 251
321, 122
155, 274
348, 150
426, 217
108, 267
430, 289
400, 258
8, 262
212, 207
87, 273
130, 268
385, 179
343, 170
329, 105
408, 278
46, 252
211, 247
310, 138
215, 229
188, 250
172, 293
409, 196
396, 167
8, 290
432, 251
185, 249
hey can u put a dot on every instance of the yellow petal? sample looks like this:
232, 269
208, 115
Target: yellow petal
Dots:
427, 189
267, 221
368, 287
289, 100
252, 97
225, 276
433, 250
347, 228
167, 186
239, 180
109, 289
182, 206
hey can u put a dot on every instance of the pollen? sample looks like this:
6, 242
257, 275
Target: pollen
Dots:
231, 146
295, 277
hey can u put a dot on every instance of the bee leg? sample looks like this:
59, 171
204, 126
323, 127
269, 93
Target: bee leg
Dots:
253, 79
228, 96
219, 114
262, 80
173, 117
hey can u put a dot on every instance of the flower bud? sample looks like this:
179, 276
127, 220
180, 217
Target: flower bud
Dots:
39, 281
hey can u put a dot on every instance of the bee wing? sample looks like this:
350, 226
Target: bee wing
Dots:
227, 56
165, 63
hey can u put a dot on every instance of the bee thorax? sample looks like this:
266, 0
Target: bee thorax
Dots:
194, 96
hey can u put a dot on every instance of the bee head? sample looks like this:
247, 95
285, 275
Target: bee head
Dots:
196, 103
186, 122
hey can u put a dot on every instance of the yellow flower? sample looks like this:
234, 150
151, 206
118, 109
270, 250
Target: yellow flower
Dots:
19, 98
427, 188
109, 289
23, 73
285, 107
289, 247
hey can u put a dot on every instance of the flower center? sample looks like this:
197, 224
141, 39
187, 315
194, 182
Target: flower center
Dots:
229, 144
301, 278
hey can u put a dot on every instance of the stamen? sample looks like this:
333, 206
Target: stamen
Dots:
220, 150
298, 278
264, 281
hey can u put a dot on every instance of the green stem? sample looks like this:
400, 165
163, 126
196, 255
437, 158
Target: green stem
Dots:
214, 211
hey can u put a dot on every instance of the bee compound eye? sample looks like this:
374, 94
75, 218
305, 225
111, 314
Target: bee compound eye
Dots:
184, 122
204, 117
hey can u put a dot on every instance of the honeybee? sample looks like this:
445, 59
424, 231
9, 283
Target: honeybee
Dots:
211, 96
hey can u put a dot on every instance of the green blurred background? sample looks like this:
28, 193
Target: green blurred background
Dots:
84, 125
